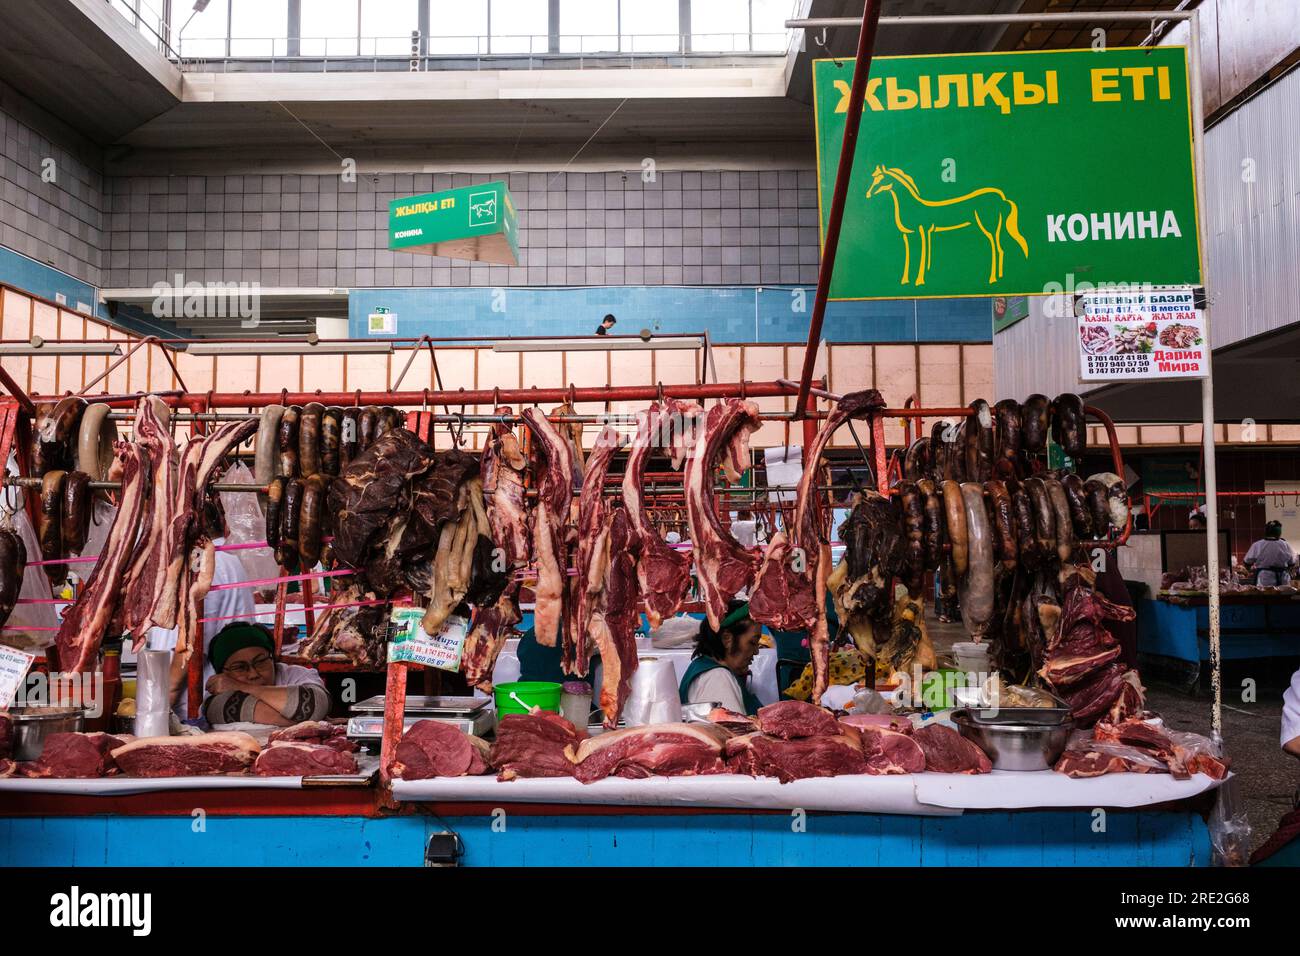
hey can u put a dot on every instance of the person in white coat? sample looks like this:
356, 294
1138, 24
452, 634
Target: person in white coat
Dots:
1291, 717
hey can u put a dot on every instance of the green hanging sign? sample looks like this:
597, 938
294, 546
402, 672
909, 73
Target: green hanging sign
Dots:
1003, 174
473, 222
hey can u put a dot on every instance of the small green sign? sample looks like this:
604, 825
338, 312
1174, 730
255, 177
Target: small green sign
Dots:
472, 222
1003, 174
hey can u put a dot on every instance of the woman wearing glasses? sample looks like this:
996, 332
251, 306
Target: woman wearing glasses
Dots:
250, 686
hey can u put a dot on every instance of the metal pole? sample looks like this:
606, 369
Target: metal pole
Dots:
984, 19
848, 148
1207, 385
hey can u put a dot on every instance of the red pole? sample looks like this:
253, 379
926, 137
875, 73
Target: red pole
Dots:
394, 714
481, 396
857, 93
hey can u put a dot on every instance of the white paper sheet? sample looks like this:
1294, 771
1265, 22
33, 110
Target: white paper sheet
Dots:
929, 794
124, 786
1007, 790
857, 794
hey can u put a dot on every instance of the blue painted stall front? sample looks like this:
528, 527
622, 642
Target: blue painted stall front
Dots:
1255, 630
1025, 838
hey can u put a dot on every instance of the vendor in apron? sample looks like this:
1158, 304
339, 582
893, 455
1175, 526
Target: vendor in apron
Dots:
719, 669
1271, 558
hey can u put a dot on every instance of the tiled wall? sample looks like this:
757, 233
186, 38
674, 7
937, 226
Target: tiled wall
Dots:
57, 223
686, 228
727, 313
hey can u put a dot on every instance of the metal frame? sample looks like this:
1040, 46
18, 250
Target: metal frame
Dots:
868, 25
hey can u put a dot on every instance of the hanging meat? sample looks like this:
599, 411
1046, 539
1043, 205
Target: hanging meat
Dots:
371, 491
352, 626
502, 468
1069, 425
453, 561
975, 590
723, 565
85, 623
789, 590
607, 603
146, 578
199, 464
55, 435
875, 552
1081, 663
1035, 418
13, 564
979, 442
551, 545
663, 573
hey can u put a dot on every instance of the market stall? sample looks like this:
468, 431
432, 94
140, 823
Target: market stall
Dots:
1024, 812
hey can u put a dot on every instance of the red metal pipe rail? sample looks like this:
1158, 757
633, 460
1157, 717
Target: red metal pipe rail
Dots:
479, 396
852, 121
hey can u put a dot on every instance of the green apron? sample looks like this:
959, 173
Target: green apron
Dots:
704, 664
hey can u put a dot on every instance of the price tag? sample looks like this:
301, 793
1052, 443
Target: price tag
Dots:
411, 645
14, 665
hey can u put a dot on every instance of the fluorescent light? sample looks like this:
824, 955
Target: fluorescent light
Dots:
25, 349
597, 344
217, 347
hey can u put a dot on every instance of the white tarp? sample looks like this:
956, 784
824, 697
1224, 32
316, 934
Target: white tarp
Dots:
125, 786
855, 794
929, 794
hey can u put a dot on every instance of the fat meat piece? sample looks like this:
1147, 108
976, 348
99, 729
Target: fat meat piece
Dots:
667, 750
204, 755
723, 566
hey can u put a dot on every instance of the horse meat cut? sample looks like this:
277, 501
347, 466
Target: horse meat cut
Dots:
201, 756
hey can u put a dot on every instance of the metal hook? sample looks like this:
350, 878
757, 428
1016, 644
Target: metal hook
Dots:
284, 397
820, 41
358, 398
572, 396
660, 392
424, 404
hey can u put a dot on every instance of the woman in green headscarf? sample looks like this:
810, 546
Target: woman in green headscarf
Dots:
720, 667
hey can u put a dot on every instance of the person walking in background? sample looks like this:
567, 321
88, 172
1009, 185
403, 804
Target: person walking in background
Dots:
606, 324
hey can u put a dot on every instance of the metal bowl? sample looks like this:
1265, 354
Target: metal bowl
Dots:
698, 713
1016, 746
33, 726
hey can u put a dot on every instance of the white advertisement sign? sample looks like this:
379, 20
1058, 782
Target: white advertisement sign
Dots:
14, 665
1142, 334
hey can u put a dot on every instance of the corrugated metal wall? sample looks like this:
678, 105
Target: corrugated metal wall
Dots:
1255, 226
1254, 246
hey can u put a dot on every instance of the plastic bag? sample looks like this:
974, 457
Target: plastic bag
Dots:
1229, 826
245, 523
35, 585
153, 693
677, 631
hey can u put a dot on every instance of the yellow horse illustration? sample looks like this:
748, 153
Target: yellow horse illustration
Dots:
988, 208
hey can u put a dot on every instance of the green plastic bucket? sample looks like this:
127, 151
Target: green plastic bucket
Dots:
534, 693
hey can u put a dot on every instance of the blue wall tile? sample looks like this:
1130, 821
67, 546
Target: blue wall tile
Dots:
727, 313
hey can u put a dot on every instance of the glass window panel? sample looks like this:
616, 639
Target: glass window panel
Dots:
258, 27
519, 26
151, 25
458, 27
769, 24
205, 35
650, 26
589, 26
719, 26
329, 27
386, 26
126, 8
